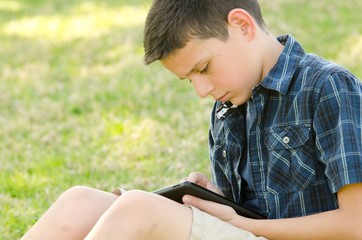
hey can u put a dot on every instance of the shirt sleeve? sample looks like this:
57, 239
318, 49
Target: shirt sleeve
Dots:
337, 124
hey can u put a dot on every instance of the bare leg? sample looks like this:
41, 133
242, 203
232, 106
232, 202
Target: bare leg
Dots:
143, 215
73, 215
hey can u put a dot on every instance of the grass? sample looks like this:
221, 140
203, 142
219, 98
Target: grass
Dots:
78, 107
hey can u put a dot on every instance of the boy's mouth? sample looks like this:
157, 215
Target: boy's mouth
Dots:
222, 98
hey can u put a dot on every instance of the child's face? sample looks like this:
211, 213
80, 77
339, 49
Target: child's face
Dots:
227, 71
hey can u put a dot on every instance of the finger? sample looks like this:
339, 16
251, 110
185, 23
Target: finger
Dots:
194, 177
184, 179
198, 178
203, 181
220, 211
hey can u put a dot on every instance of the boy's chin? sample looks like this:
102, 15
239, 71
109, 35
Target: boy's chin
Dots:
238, 102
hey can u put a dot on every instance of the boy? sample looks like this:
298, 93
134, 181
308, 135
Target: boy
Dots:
285, 137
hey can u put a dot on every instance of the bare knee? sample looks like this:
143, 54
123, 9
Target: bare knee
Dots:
73, 204
75, 194
72, 215
79, 208
135, 202
139, 201
142, 215
137, 208
85, 200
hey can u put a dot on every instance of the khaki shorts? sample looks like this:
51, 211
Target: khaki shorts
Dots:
208, 227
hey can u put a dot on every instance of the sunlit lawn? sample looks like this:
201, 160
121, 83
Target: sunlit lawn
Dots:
78, 107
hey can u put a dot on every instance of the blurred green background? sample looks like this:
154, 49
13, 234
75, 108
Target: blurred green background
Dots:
78, 107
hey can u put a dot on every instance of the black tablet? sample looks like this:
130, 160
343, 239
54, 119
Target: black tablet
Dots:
176, 192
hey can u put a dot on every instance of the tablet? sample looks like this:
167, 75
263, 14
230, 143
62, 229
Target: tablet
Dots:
176, 192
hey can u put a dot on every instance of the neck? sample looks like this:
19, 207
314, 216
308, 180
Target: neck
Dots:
272, 49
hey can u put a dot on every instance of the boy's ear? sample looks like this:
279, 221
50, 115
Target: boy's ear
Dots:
241, 19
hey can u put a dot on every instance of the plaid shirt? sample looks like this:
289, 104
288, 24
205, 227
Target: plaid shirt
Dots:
302, 141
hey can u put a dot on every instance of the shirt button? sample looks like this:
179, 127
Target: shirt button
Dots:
224, 153
286, 140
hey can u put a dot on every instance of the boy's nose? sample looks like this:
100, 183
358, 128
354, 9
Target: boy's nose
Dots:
202, 86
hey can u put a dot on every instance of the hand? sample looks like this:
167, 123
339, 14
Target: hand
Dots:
202, 180
223, 212
220, 211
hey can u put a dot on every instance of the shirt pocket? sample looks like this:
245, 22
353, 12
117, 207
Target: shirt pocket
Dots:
291, 165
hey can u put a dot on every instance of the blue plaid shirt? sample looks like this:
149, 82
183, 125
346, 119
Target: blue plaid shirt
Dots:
296, 142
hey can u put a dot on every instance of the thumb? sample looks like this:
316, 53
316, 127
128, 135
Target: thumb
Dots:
191, 201
220, 211
204, 205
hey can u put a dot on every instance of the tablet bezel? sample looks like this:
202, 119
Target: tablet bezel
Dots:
177, 191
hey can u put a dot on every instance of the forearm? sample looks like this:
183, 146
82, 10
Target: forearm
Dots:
343, 223
337, 224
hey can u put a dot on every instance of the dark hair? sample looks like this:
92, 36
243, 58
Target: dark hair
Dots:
170, 24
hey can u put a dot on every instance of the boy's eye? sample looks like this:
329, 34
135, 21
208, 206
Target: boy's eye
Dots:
204, 70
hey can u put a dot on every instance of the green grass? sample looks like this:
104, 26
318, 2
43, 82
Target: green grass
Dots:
78, 107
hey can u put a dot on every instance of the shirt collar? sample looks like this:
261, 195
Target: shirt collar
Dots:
281, 74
